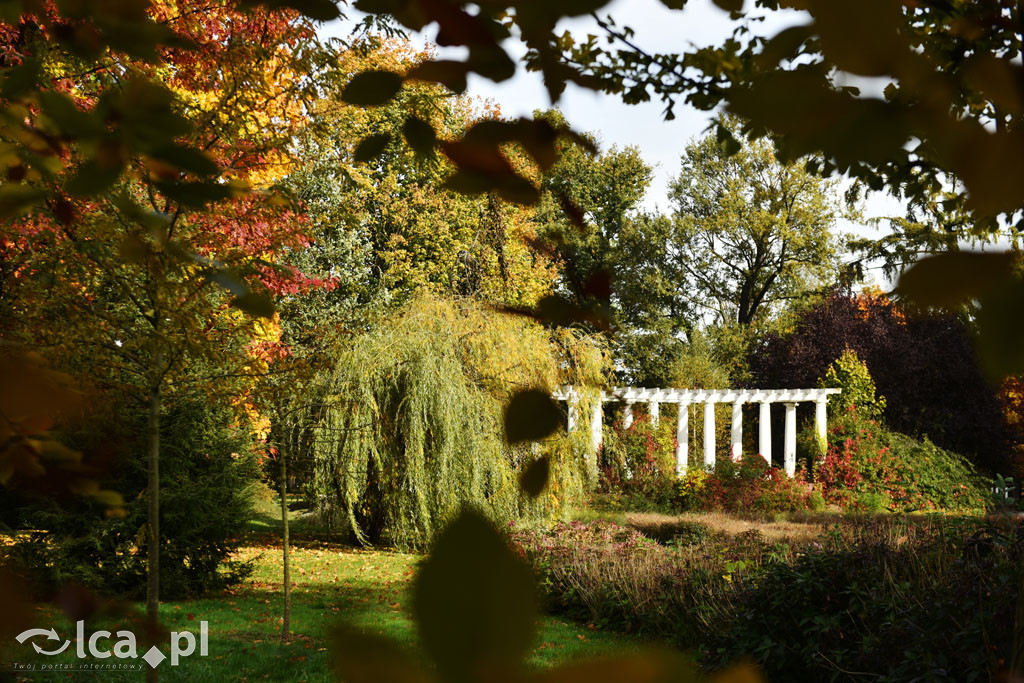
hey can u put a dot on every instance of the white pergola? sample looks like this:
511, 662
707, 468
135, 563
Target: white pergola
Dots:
709, 397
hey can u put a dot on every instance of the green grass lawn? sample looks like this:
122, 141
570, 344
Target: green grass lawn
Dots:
332, 582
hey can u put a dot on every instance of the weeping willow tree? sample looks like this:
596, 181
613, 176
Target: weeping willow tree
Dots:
410, 426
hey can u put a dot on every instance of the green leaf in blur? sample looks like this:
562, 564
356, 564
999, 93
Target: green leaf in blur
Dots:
420, 135
955, 278
21, 79
93, 177
474, 603
16, 197
653, 666
371, 147
531, 415
447, 72
319, 10
197, 193
69, 119
535, 477
1000, 322
371, 88
258, 305
186, 159
360, 657
729, 5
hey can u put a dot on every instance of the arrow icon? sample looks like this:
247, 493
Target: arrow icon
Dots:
50, 635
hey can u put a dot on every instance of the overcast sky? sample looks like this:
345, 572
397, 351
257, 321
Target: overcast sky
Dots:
660, 142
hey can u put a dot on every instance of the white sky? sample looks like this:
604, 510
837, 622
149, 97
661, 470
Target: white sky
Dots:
661, 143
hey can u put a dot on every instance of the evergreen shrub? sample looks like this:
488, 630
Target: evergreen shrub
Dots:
207, 473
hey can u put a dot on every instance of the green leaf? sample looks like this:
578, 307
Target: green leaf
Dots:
230, 281
361, 657
534, 478
186, 159
420, 135
518, 190
447, 72
72, 121
1000, 324
318, 10
371, 147
93, 178
21, 79
197, 193
531, 415
653, 666
955, 278
371, 88
258, 305
729, 5
16, 197
474, 603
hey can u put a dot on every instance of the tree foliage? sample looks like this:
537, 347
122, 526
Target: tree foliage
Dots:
925, 367
849, 373
408, 428
751, 232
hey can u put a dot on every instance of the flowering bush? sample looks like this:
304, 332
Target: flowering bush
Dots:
749, 485
870, 467
639, 458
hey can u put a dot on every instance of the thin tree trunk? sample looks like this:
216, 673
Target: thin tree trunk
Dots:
153, 522
286, 621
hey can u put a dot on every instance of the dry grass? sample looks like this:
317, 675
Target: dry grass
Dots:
656, 525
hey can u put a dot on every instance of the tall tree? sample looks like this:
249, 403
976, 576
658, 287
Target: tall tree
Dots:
604, 189
751, 232
125, 272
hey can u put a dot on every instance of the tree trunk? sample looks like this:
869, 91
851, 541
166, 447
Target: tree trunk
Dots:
153, 522
286, 620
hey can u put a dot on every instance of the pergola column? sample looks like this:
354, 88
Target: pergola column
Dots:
683, 439
570, 418
736, 434
709, 435
596, 417
764, 431
821, 422
655, 411
627, 415
789, 446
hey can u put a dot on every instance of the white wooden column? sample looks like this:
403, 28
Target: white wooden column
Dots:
764, 431
596, 418
571, 406
655, 410
789, 447
820, 423
683, 439
736, 434
709, 435
627, 415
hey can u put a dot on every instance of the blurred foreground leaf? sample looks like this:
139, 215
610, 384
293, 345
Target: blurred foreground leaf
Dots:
474, 602
531, 415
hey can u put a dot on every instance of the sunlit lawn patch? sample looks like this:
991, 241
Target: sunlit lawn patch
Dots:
330, 583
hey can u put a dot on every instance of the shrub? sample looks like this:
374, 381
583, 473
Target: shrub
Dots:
898, 602
924, 366
206, 474
639, 459
750, 485
616, 577
893, 598
868, 467
850, 373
